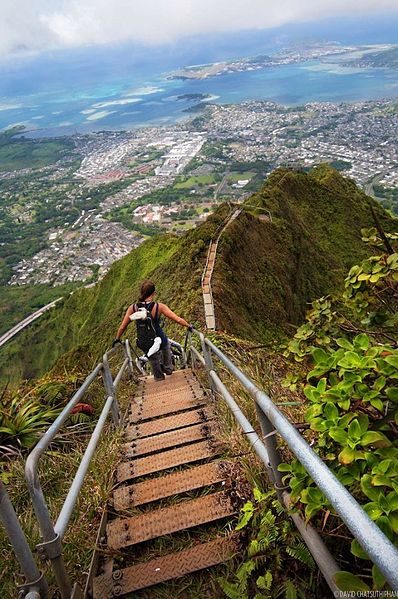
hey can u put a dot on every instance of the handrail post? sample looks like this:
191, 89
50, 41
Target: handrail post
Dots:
269, 440
208, 361
190, 358
35, 581
110, 389
127, 352
51, 546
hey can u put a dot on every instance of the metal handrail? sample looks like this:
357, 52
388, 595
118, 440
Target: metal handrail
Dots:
51, 546
376, 545
35, 583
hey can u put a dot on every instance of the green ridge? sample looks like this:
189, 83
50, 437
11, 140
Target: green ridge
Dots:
265, 275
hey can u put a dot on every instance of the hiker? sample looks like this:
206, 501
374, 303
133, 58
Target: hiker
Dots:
150, 337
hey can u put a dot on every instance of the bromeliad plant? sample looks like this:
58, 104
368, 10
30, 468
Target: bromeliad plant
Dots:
348, 349
22, 421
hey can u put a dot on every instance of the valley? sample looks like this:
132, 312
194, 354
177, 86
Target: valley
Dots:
68, 221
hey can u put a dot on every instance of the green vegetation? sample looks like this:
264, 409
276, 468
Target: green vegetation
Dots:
234, 177
348, 358
268, 272
341, 165
388, 197
18, 302
277, 562
85, 323
198, 180
314, 237
23, 417
344, 360
21, 153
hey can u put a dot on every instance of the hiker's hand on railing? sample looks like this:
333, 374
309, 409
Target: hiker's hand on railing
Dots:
115, 342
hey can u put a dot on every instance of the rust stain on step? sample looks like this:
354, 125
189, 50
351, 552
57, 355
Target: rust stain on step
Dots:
124, 532
171, 484
162, 569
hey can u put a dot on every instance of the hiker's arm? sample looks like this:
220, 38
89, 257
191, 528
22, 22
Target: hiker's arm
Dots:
125, 322
165, 310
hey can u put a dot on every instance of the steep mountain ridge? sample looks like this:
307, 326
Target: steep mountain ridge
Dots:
265, 274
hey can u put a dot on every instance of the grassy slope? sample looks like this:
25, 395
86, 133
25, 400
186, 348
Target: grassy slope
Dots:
26, 153
18, 302
84, 324
267, 273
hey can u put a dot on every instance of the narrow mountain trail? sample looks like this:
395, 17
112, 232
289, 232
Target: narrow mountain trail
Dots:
208, 272
171, 479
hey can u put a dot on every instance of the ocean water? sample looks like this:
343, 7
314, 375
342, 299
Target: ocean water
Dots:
90, 91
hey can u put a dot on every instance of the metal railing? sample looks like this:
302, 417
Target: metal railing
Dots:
272, 422
35, 585
51, 546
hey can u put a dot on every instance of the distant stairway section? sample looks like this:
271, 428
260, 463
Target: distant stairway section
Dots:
206, 286
208, 272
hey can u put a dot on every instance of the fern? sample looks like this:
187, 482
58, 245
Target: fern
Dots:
268, 519
244, 572
264, 572
278, 507
264, 582
233, 591
290, 590
301, 553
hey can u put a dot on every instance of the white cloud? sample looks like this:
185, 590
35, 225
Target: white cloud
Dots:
42, 24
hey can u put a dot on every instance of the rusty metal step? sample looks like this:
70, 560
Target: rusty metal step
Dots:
166, 398
168, 393
171, 484
162, 569
174, 406
167, 459
163, 441
186, 372
150, 384
177, 375
169, 381
166, 423
124, 532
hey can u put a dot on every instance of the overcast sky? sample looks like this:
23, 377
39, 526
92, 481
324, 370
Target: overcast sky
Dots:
39, 25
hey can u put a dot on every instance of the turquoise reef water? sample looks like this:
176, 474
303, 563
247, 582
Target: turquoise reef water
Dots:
61, 95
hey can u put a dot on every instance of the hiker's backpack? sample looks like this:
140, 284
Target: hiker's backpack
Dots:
146, 330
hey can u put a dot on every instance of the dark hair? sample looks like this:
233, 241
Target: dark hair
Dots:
147, 288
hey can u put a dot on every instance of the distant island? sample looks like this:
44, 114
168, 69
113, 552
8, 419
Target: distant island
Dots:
365, 56
194, 97
290, 56
384, 58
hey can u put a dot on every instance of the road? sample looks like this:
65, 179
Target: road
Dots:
26, 322
221, 185
369, 187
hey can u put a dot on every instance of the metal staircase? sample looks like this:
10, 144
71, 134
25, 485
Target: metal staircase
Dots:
170, 451
170, 434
